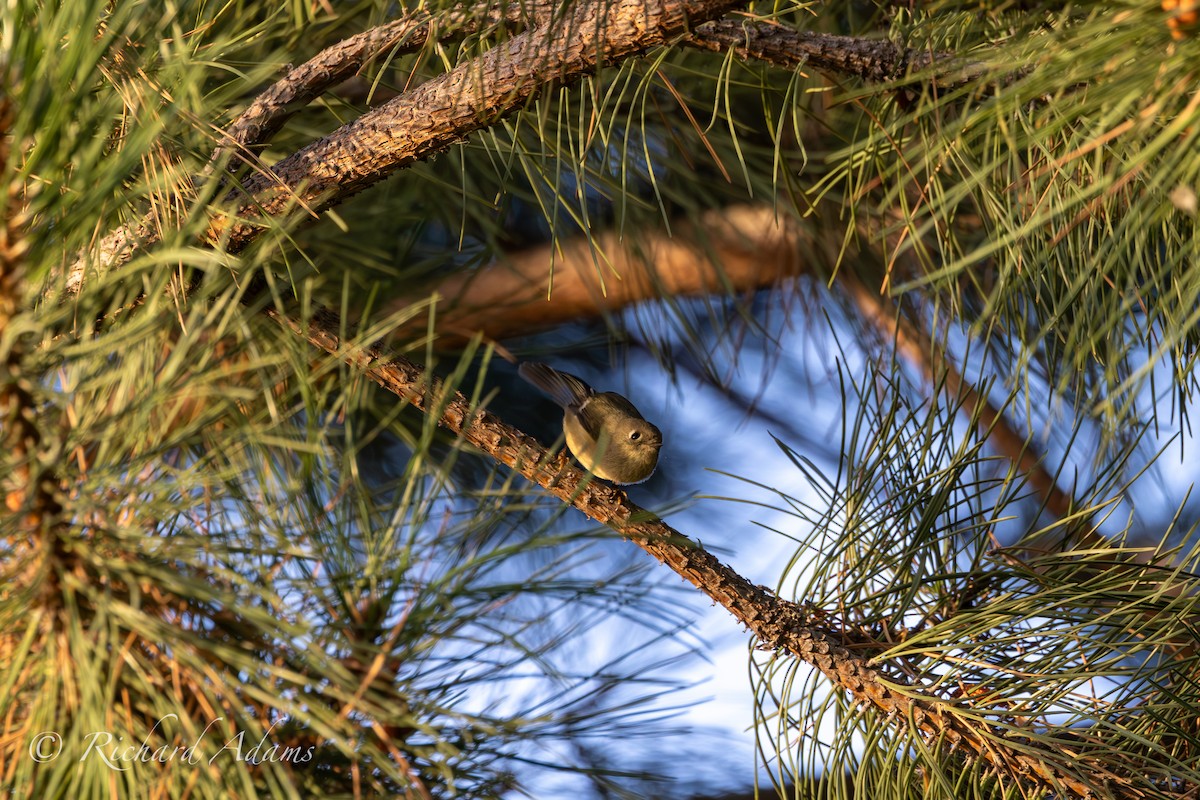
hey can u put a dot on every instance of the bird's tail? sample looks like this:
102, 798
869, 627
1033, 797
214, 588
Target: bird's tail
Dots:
562, 387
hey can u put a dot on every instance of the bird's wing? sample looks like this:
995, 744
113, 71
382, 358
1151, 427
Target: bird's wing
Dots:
594, 410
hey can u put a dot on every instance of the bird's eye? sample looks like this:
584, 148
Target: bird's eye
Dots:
635, 435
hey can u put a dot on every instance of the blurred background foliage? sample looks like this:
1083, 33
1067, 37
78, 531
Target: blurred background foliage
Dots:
214, 533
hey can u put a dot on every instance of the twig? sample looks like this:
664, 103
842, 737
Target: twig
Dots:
872, 60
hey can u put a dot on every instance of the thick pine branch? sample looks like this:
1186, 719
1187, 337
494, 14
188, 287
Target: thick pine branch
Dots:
867, 59
429, 118
271, 110
282, 100
435, 115
732, 250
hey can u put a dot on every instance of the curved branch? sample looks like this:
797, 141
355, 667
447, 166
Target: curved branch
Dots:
433, 116
283, 99
869, 59
778, 623
740, 248
271, 110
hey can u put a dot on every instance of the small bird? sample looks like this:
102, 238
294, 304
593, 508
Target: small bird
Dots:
604, 431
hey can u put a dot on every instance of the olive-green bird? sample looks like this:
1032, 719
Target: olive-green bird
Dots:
604, 431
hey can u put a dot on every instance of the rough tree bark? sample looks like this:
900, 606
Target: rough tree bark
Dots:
867, 59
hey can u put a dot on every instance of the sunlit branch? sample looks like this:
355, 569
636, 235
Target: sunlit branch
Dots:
429, 118
871, 60
271, 110
729, 250
286, 97
868, 59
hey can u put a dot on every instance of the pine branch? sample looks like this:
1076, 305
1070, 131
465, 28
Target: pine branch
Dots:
271, 110
778, 624
872, 60
282, 100
868, 59
734, 249
431, 117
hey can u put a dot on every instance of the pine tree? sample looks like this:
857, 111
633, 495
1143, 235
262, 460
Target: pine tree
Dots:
270, 529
